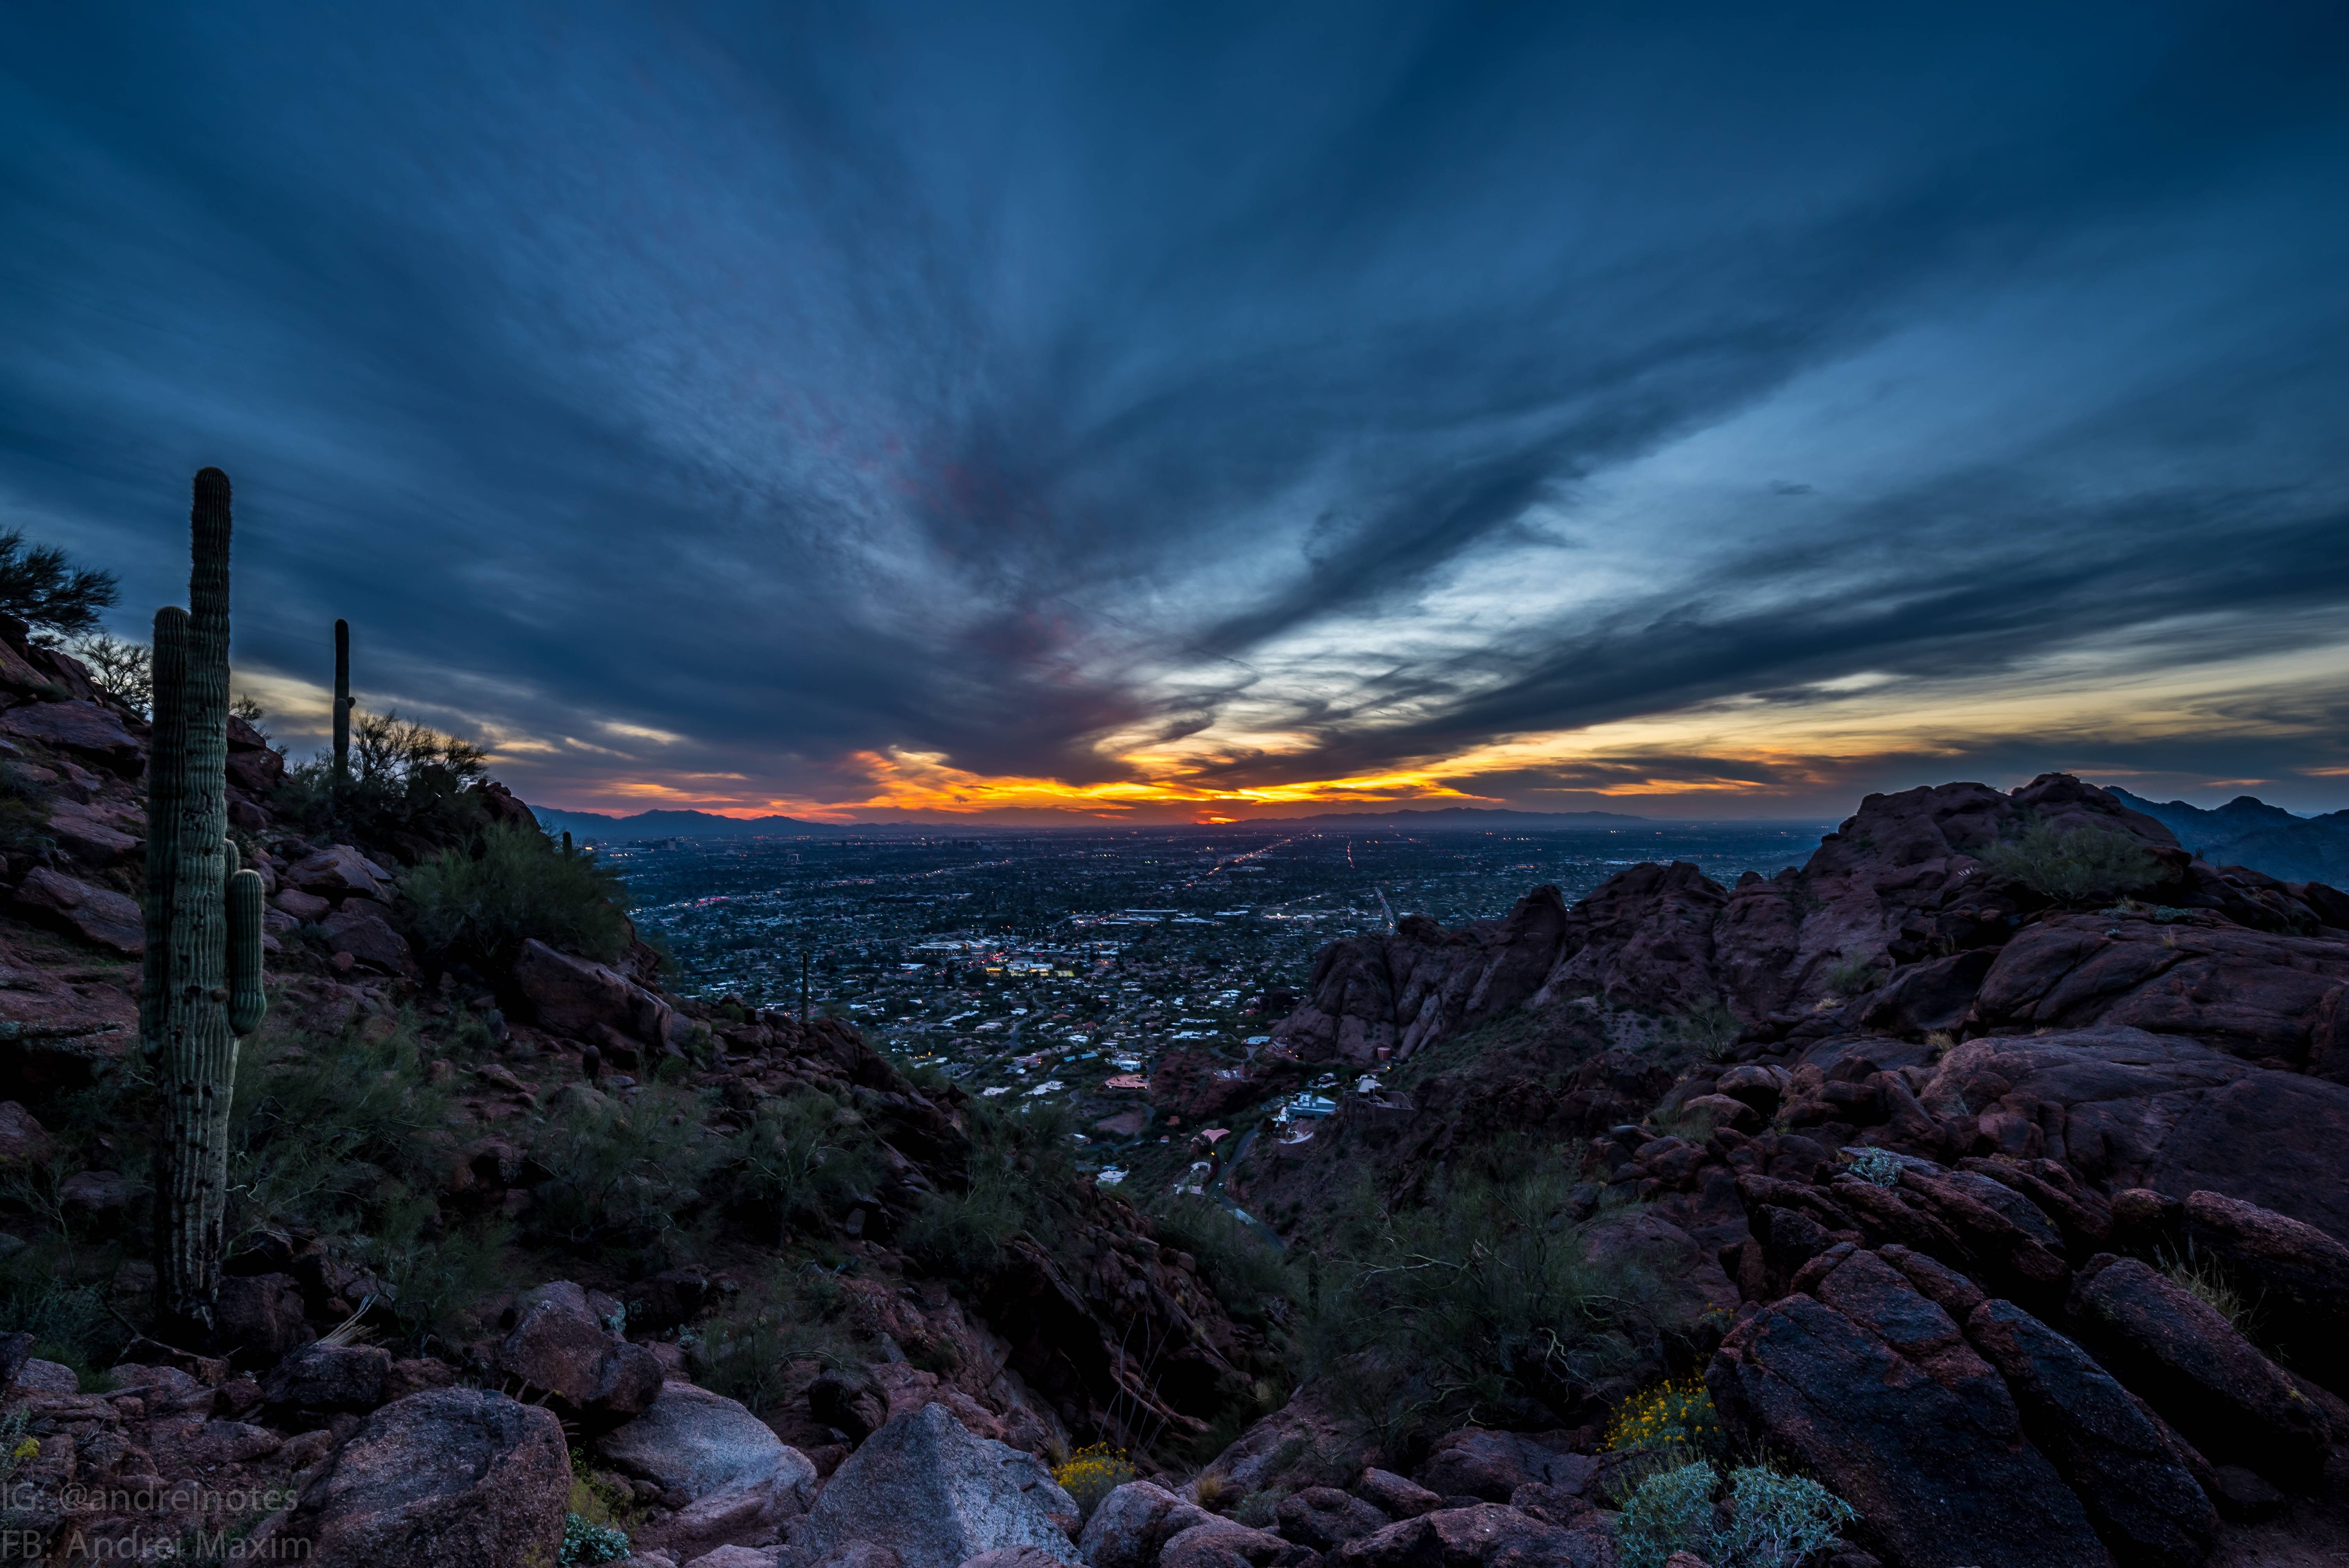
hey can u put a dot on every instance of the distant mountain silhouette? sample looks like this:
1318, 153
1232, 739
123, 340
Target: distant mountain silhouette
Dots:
681, 825
1477, 817
2247, 831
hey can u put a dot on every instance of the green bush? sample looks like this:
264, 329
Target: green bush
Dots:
480, 905
1877, 1166
747, 1354
1671, 1512
69, 1323
1775, 1521
24, 812
1710, 1031
1019, 1178
320, 1130
585, 1541
805, 1157
1244, 1268
1482, 1296
2078, 866
406, 778
619, 1172
1851, 977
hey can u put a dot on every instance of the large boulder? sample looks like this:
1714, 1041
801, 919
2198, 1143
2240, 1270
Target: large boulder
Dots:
455, 1477
927, 1489
261, 1317
83, 728
2135, 1479
1225, 1543
1129, 1525
89, 833
2123, 1107
23, 1140
2298, 1274
573, 997
565, 1342
2253, 993
320, 1379
2205, 1379
736, 1479
1474, 1463
1486, 1536
1324, 1518
95, 914
337, 871
359, 929
1934, 1464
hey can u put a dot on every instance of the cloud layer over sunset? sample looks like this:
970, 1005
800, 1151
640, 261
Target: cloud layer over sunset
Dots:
1157, 412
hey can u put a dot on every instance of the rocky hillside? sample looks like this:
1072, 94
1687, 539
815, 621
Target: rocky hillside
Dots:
1969, 1194
520, 1241
2006, 1203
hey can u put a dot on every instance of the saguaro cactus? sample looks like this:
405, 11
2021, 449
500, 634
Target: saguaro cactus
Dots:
201, 985
342, 699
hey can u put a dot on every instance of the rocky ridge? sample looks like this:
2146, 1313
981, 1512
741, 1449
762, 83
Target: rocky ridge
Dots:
293, 1429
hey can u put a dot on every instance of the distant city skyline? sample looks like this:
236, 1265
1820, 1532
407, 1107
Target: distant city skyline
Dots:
1150, 414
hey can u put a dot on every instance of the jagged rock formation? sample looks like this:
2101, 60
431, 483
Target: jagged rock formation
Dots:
1893, 925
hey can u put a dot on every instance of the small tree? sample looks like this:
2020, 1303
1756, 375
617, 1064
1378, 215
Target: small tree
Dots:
126, 671
41, 587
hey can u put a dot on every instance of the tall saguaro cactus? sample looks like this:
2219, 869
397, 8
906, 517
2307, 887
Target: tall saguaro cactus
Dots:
201, 985
342, 699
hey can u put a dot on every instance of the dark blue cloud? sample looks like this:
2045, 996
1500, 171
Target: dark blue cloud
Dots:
979, 382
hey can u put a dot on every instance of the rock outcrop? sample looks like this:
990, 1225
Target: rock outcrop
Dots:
455, 1477
926, 1488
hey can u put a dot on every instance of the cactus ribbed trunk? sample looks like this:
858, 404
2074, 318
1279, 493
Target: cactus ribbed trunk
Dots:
202, 923
342, 699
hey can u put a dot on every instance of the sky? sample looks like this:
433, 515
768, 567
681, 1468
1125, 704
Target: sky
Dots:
1171, 413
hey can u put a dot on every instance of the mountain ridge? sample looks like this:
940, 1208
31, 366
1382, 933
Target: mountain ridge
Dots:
2248, 832
672, 823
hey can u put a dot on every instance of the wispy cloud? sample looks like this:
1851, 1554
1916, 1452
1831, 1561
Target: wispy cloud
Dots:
1137, 412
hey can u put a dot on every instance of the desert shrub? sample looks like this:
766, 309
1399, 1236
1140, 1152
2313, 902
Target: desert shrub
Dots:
2079, 865
1669, 1511
1091, 1473
618, 1171
1710, 1031
585, 1541
70, 1323
1877, 1166
1851, 977
480, 904
1482, 1296
1018, 1177
747, 1355
436, 1272
24, 811
317, 1126
405, 779
1775, 1521
958, 1235
1245, 1270
802, 1159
